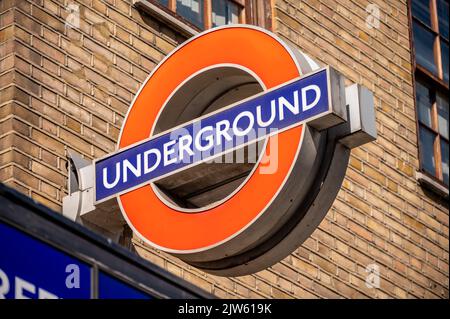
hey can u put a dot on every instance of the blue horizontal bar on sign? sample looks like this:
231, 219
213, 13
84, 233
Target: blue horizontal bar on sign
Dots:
217, 133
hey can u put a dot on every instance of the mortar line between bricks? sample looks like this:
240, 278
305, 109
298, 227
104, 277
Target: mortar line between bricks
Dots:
350, 32
406, 212
393, 230
380, 98
95, 99
194, 272
361, 18
165, 258
29, 186
349, 284
15, 148
438, 231
319, 281
356, 262
105, 17
357, 61
382, 262
71, 116
66, 38
82, 136
33, 48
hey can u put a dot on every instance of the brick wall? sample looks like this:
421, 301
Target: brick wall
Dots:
64, 87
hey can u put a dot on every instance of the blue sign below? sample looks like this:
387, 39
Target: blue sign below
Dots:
31, 269
111, 288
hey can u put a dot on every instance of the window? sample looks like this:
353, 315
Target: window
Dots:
192, 10
432, 110
205, 14
224, 12
430, 42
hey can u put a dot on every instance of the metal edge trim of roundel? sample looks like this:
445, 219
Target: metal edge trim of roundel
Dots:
182, 233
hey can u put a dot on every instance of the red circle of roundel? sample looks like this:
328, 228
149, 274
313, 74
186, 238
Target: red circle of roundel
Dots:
179, 232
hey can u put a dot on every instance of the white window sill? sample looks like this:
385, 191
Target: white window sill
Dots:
431, 184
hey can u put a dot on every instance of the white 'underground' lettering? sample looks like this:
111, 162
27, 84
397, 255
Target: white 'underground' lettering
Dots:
185, 146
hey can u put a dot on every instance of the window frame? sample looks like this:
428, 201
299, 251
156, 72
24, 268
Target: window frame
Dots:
251, 12
434, 29
435, 83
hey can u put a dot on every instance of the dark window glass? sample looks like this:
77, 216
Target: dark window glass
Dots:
432, 105
444, 154
444, 58
424, 42
192, 10
424, 103
224, 12
442, 107
164, 2
421, 11
427, 150
442, 8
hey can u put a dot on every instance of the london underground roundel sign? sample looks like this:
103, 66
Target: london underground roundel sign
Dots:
222, 91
